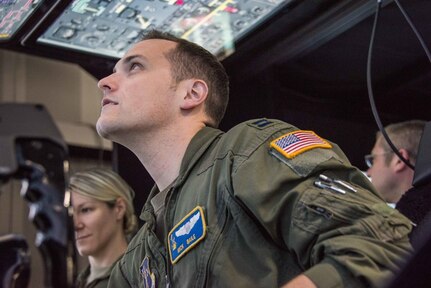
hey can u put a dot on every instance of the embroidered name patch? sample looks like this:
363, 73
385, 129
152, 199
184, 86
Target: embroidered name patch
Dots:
297, 142
187, 234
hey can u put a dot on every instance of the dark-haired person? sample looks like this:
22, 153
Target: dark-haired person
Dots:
262, 205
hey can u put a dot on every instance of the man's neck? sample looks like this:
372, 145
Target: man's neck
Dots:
406, 184
162, 153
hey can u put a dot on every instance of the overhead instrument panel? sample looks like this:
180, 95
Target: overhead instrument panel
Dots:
110, 27
13, 14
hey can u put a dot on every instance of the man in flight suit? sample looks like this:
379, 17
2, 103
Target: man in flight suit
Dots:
263, 205
391, 176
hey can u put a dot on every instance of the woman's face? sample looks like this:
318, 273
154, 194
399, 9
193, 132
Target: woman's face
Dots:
96, 225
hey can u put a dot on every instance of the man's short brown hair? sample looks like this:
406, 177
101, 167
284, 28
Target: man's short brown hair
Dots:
189, 60
404, 135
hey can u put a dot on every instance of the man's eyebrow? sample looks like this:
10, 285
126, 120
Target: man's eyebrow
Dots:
128, 59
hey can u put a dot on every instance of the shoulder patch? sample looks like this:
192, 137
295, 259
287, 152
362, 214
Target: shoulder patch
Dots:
260, 123
294, 143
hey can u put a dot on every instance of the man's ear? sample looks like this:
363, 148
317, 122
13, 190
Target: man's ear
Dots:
399, 164
196, 93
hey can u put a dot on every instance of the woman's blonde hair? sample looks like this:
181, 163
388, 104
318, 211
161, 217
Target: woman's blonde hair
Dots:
107, 186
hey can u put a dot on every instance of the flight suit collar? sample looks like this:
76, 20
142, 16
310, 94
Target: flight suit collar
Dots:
198, 145
148, 210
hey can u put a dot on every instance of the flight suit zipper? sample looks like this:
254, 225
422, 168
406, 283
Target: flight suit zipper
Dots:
217, 242
170, 201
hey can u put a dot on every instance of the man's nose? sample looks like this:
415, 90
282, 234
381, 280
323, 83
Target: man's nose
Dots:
106, 84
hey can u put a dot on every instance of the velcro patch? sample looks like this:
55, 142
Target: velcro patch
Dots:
297, 142
261, 123
148, 277
187, 234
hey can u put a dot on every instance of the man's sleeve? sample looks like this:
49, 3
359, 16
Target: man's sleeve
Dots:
338, 238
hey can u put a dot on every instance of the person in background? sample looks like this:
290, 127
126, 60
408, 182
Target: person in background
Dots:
262, 205
391, 176
103, 218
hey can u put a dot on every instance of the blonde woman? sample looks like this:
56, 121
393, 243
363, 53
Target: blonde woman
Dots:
103, 218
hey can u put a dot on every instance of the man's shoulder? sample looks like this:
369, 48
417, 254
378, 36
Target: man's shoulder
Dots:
300, 150
246, 137
256, 130
261, 125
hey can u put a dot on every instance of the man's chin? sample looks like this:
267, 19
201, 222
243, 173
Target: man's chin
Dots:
102, 130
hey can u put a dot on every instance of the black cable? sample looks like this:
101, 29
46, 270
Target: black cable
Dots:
418, 35
370, 90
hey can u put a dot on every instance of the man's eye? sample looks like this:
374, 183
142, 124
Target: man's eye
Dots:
134, 66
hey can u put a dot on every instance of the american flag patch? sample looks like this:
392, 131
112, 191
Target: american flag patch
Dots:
297, 142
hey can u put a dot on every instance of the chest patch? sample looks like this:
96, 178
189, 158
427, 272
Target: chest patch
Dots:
147, 276
187, 234
297, 142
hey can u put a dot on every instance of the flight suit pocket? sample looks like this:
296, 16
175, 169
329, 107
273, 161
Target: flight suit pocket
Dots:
319, 210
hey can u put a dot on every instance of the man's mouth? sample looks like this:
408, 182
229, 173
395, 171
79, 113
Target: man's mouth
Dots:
107, 101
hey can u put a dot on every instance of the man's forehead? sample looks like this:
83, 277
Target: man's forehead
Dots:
157, 46
147, 49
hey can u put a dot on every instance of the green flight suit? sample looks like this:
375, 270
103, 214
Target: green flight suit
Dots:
265, 221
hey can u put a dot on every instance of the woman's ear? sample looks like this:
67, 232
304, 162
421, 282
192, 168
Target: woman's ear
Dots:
120, 208
196, 93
